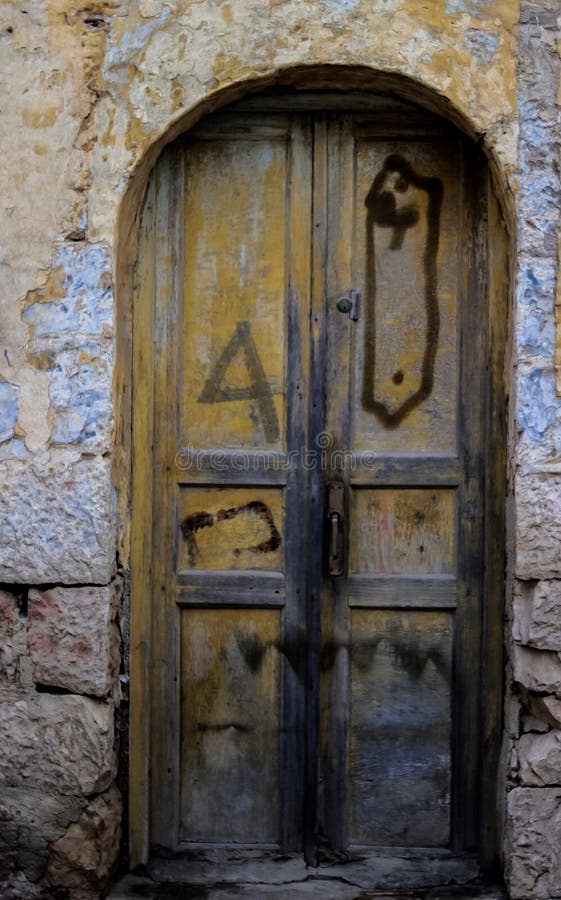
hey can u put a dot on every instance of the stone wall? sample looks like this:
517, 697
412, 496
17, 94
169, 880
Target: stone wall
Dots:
90, 90
533, 833
60, 808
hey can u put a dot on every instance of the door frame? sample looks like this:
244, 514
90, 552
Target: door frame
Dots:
492, 243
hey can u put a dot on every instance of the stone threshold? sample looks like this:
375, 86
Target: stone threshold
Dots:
135, 887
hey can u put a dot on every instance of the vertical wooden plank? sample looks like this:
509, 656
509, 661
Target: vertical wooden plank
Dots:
495, 490
340, 345
168, 229
141, 535
316, 493
299, 243
471, 501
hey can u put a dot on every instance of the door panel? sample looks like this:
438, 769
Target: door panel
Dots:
234, 321
230, 528
405, 263
400, 731
230, 725
402, 531
291, 710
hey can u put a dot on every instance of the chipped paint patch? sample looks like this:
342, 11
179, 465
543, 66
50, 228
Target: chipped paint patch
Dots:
8, 410
455, 7
80, 392
481, 44
342, 6
71, 321
538, 407
14, 449
474, 7
120, 55
82, 301
536, 334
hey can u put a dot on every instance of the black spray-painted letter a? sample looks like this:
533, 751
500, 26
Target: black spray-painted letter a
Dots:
215, 391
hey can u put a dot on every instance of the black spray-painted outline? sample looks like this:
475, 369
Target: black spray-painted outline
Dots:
259, 389
198, 520
382, 211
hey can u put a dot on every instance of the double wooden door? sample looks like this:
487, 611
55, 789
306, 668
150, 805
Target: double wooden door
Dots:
317, 399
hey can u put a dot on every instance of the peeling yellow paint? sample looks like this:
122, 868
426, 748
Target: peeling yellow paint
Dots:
40, 119
176, 94
40, 361
87, 359
109, 139
224, 65
51, 289
135, 134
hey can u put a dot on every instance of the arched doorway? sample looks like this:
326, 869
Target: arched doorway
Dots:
319, 457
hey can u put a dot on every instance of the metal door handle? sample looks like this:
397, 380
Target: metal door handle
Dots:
335, 520
336, 537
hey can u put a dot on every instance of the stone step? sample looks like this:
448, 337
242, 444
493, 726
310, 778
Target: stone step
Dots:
134, 887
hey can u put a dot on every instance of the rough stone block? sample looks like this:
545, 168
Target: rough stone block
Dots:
533, 838
537, 614
13, 628
538, 408
548, 709
80, 392
537, 670
535, 341
57, 521
17, 887
539, 759
532, 723
59, 743
85, 855
513, 716
73, 638
538, 526
31, 819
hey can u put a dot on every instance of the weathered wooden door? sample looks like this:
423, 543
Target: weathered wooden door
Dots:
314, 286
